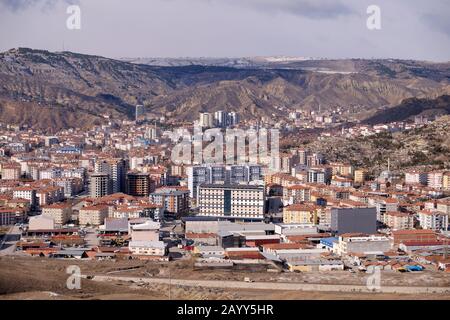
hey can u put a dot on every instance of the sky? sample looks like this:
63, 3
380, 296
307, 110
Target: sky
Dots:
410, 29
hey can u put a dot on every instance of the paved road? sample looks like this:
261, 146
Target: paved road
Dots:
275, 285
9, 242
3, 238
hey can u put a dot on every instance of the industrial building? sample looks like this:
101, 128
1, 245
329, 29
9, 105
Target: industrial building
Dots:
354, 220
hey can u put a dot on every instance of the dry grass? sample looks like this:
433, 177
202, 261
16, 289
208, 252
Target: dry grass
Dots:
42, 278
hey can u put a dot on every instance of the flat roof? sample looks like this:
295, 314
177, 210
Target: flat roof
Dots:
53, 230
71, 252
262, 237
315, 262
200, 218
232, 186
329, 241
148, 225
144, 243
210, 248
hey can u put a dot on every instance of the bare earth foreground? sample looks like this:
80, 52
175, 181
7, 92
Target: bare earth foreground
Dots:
41, 278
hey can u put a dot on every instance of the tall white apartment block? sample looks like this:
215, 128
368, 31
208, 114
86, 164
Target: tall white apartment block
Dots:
231, 201
435, 179
206, 120
416, 177
433, 220
116, 169
213, 174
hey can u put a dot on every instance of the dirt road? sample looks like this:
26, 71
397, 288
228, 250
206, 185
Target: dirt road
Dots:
275, 286
43, 278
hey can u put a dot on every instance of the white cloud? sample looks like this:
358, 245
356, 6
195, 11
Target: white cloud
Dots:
317, 9
320, 28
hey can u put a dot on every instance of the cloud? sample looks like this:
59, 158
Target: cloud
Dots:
411, 29
439, 23
317, 9
19, 5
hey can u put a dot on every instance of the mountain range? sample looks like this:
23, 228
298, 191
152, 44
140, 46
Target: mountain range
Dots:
54, 90
412, 107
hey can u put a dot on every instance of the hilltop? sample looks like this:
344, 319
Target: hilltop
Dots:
63, 89
425, 146
412, 107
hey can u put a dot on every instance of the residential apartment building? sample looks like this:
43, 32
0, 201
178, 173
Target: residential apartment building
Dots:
100, 185
301, 214
198, 175
174, 200
147, 248
341, 182
296, 194
342, 169
49, 195
116, 169
134, 211
384, 205
416, 177
285, 162
319, 175
76, 172
60, 212
360, 176
10, 216
93, 215
50, 173
206, 120
433, 220
11, 171
139, 184
233, 201
398, 220
283, 179
443, 206
126, 211
224, 119
28, 193
315, 159
71, 186
446, 181
435, 179
212, 174
243, 173
302, 156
